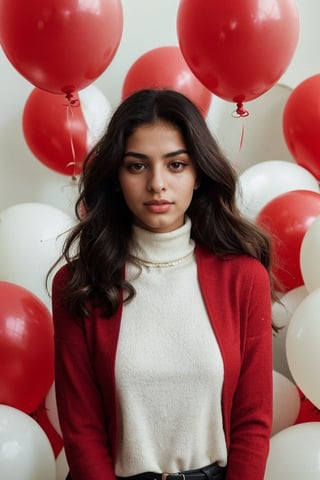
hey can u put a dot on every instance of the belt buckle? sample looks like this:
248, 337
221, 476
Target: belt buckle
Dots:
164, 476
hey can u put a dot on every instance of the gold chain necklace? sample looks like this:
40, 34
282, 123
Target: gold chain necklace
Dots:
173, 263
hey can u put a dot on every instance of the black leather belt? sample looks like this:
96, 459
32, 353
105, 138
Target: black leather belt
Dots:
210, 472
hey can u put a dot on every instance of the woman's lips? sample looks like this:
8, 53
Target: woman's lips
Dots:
158, 206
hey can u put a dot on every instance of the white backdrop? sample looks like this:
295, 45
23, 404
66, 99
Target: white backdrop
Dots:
148, 24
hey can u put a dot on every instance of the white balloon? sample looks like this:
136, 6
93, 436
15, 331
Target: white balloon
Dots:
256, 138
294, 453
31, 237
62, 468
25, 453
262, 182
286, 403
302, 346
96, 110
310, 256
281, 313
51, 408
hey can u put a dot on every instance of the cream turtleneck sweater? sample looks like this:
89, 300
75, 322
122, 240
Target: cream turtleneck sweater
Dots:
169, 370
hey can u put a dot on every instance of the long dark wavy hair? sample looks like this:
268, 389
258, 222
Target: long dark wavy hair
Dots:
97, 248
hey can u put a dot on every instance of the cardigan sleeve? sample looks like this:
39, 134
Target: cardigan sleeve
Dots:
251, 412
79, 401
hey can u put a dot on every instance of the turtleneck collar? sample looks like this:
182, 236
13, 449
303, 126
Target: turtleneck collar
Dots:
162, 247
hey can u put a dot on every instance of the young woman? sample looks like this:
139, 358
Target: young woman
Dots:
162, 312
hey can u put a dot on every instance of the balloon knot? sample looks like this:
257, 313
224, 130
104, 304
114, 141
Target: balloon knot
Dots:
240, 111
71, 101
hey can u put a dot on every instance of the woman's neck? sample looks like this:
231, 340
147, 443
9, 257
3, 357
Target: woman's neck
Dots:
158, 248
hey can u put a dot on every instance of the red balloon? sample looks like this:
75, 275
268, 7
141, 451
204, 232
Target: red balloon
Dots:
55, 131
165, 67
60, 45
26, 348
301, 120
287, 217
238, 51
308, 411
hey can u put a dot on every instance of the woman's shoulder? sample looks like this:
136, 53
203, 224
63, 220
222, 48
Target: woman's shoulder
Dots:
61, 276
233, 263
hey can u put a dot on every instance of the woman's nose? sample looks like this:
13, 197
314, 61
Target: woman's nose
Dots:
156, 181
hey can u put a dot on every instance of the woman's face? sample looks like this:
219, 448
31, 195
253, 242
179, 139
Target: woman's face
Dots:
157, 177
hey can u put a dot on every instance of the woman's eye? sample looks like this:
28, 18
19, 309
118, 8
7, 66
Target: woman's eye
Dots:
177, 165
135, 167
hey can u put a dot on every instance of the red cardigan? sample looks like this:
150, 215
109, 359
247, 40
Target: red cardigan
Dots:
237, 296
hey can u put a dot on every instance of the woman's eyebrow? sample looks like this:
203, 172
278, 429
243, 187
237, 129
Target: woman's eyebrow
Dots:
181, 151
142, 156
135, 154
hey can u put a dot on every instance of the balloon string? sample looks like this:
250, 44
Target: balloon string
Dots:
71, 104
240, 112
